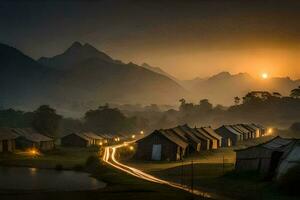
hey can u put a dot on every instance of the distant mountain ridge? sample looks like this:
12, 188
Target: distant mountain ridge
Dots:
74, 54
81, 75
223, 87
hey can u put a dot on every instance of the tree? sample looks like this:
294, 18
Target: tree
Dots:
108, 120
295, 92
205, 105
237, 100
46, 121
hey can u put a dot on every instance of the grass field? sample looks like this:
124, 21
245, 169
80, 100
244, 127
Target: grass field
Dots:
68, 158
213, 171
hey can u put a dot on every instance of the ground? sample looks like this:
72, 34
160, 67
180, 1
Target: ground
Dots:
119, 184
213, 171
67, 158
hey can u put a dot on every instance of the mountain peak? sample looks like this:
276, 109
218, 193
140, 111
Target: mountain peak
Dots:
76, 53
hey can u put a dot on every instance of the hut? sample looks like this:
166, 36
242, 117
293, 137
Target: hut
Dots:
266, 157
29, 138
205, 142
212, 142
185, 132
161, 145
229, 135
81, 139
262, 129
213, 134
245, 132
94, 138
7, 140
255, 132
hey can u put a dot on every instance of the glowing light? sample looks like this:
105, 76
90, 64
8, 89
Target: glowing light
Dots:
109, 158
142, 132
125, 144
133, 136
131, 148
100, 143
270, 131
265, 75
33, 152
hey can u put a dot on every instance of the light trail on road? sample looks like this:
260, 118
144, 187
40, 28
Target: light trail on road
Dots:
109, 158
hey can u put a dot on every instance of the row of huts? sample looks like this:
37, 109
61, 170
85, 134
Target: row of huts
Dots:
175, 143
232, 134
272, 158
23, 138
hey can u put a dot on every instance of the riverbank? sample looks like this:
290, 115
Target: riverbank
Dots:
59, 158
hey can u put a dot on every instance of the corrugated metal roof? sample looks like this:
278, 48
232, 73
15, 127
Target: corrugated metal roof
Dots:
240, 128
180, 133
202, 134
7, 134
232, 130
174, 138
277, 142
92, 135
189, 133
211, 132
31, 135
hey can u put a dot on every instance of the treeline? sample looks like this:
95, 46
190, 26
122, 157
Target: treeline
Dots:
46, 120
263, 107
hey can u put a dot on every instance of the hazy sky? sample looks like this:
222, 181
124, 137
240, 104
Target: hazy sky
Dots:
185, 38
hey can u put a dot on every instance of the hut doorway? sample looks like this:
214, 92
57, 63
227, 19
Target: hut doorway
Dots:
275, 159
5, 145
156, 152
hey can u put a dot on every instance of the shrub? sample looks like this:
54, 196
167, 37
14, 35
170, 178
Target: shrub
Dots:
92, 160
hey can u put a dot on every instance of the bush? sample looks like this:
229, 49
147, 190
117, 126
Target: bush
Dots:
289, 182
91, 160
58, 167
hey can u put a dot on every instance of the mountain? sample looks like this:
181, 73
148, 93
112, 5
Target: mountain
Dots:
223, 87
74, 54
159, 71
23, 81
81, 76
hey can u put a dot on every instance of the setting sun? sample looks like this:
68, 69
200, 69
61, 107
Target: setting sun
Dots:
265, 75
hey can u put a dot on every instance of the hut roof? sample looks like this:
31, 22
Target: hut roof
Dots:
240, 128
7, 134
204, 134
174, 138
189, 133
31, 135
179, 133
273, 144
232, 130
258, 126
250, 127
92, 135
211, 132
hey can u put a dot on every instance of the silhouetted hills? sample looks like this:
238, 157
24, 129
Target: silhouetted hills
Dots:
160, 71
22, 79
74, 54
81, 77
223, 87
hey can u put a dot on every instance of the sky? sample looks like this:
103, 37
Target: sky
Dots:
187, 39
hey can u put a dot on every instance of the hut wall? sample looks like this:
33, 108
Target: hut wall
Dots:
169, 150
74, 141
47, 145
23, 143
11, 146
